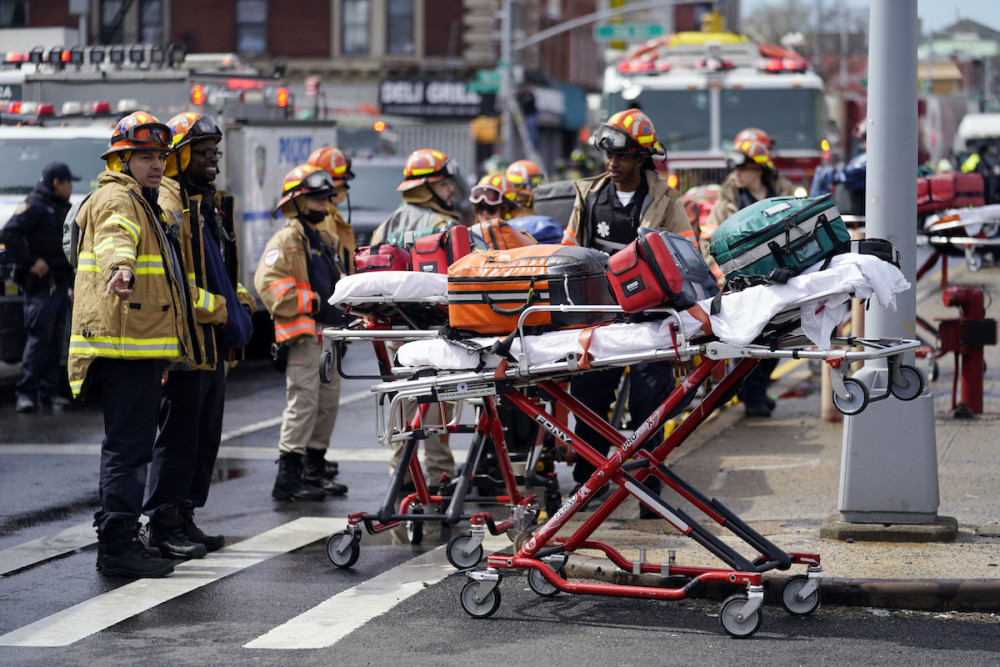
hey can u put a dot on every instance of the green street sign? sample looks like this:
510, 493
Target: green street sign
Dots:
487, 81
627, 32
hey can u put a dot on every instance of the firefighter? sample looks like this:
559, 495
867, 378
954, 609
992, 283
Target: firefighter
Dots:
295, 279
526, 176
753, 177
494, 197
428, 191
607, 213
33, 238
317, 470
194, 395
131, 315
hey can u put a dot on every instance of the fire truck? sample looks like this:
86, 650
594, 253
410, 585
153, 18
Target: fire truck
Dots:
701, 88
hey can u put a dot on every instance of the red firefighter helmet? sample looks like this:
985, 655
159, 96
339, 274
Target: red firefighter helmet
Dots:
753, 134
629, 131
334, 162
307, 180
750, 154
425, 165
139, 131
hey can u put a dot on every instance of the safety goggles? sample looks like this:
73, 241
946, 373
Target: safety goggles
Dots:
205, 126
318, 180
486, 194
154, 134
612, 139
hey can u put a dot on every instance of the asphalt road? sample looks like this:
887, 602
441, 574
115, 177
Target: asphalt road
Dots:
273, 596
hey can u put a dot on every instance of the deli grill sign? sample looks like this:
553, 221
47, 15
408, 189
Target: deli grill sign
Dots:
430, 98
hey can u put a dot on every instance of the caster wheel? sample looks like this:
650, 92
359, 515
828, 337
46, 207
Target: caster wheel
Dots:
907, 384
790, 597
541, 585
483, 608
457, 555
733, 623
415, 529
326, 369
343, 549
932, 370
857, 399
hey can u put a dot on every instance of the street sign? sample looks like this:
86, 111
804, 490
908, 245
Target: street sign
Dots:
627, 32
487, 81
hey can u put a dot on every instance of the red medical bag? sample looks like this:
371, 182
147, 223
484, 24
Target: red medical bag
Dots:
950, 190
436, 252
660, 269
381, 257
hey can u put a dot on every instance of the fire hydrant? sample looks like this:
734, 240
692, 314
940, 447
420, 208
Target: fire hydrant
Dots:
966, 337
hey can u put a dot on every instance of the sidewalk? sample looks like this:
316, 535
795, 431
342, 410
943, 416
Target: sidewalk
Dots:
782, 475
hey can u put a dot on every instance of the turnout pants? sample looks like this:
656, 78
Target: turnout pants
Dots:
188, 443
311, 406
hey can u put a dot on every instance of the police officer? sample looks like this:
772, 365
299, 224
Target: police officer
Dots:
33, 238
607, 213
131, 315
194, 395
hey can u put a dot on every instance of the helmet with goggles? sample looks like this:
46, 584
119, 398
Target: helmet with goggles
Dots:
525, 175
750, 154
629, 131
305, 180
423, 166
334, 162
189, 127
494, 190
139, 131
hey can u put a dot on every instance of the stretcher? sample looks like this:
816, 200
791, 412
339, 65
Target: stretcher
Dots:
393, 307
786, 322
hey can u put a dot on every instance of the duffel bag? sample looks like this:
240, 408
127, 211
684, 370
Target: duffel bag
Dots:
779, 237
488, 290
541, 228
498, 235
381, 257
660, 269
436, 252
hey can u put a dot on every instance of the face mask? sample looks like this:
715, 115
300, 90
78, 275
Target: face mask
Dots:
315, 217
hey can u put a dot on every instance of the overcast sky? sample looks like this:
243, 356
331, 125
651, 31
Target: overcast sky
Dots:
934, 14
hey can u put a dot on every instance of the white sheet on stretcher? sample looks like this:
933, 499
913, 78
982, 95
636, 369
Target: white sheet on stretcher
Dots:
972, 220
390, 286
742, 317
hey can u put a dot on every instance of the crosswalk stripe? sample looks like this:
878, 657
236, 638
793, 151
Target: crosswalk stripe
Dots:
44, 548
330, 621
99, 613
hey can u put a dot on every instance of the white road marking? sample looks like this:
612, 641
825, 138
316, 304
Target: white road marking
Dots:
329, 622
47, 547
97, 614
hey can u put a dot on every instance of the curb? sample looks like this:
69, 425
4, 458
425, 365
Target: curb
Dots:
962, 595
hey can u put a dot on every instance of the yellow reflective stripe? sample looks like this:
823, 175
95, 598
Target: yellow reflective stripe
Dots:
104, 246
191, 277
124, 347
129, 226
240, 289
206, 300
149, 265
87, 262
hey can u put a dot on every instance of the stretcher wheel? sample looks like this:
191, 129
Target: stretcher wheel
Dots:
326, 369
790, 600
348, 557
484, 609
857, 398
729, 616
543, 586
415, 529
932, 369
457, 556
907, 383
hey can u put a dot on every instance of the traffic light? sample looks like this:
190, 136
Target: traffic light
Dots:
480, 31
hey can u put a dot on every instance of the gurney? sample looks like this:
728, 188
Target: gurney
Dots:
785, 321
397, 306
970, 233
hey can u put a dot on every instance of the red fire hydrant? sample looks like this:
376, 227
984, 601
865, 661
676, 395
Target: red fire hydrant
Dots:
966, 337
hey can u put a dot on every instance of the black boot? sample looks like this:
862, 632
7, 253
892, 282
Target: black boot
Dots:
121, 554
195, 534
289, 485
316, 471
166, 533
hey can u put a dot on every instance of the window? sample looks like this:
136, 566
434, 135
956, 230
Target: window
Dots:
357, 18
399, 32
151, 21
13, 13
111, 22
251, 26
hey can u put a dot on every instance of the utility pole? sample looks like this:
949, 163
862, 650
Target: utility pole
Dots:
889, 461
